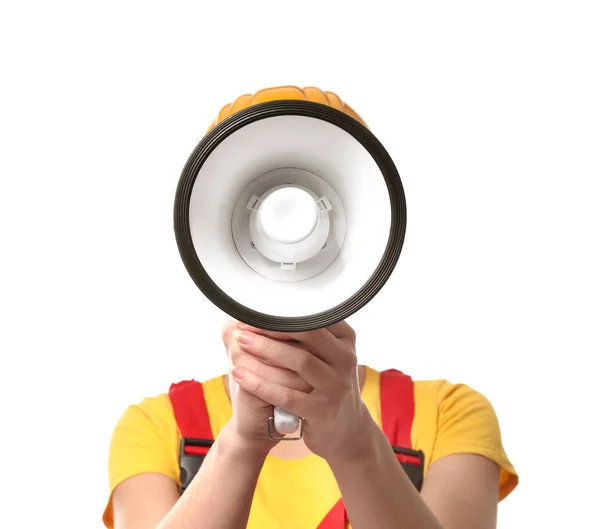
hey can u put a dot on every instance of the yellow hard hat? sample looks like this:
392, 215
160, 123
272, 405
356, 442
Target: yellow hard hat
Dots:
278, 93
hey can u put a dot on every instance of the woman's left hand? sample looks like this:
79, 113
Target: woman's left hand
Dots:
334, 413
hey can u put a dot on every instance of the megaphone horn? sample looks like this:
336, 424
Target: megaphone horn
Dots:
289, 214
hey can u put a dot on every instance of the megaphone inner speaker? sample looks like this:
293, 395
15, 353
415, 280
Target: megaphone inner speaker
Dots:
290, 215
289, 225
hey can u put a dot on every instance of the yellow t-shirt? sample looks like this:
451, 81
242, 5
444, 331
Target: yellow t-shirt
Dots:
449, 419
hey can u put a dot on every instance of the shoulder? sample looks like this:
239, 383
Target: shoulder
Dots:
455, 403
153, 409
146, 436
144, 439
455, 418
442, 395
465, 422
153, 413
460, 412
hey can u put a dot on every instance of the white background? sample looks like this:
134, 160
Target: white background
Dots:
491, 113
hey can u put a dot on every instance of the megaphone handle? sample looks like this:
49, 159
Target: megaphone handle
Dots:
284, 422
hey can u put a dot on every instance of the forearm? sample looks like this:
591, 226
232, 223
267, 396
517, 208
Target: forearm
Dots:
377, 492
220, 495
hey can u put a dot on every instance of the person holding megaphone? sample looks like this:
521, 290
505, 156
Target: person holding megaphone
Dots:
369, 449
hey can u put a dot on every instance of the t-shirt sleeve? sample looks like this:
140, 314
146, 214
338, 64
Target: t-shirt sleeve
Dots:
467, 423
145, 439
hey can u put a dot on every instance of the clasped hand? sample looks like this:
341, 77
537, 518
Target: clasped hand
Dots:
310, 374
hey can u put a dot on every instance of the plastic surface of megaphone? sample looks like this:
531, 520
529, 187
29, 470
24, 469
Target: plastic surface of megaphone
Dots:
289, 214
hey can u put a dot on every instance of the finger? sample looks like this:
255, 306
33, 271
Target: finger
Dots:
342, 330
296, 402
327, 337
289, 356
226, 332
253, 402
320, 342
278, 375
325, 346
284, 336
337, 353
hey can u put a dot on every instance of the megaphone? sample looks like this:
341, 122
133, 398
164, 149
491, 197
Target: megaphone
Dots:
289, 214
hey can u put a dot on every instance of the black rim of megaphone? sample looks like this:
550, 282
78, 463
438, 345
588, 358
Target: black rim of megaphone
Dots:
182, 222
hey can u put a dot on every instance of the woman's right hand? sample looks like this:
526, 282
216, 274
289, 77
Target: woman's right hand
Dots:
251, 414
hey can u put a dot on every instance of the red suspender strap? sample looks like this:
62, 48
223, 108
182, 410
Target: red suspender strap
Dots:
191, 414
398, 411
336, 518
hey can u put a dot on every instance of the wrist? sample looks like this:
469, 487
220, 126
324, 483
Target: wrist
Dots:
362, 444
237, 446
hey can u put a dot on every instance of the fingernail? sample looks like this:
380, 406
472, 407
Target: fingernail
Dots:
244, 338
238, 372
